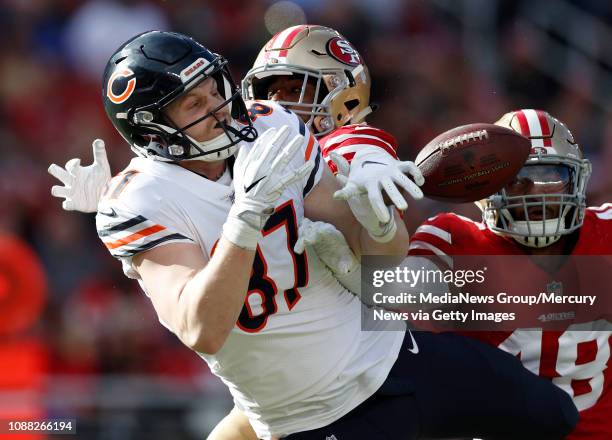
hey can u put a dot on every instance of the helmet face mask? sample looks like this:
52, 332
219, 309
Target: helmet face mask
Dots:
163, 67
311, 84
322, 57
547, 199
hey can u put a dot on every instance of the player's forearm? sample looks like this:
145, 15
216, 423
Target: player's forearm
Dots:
212, 300
398, 246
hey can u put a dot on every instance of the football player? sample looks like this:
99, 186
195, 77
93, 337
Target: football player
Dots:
319, 75
543, 212
156, 228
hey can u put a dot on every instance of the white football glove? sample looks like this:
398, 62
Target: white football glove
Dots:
331, 247
83, 186
260, 177
369, 173
329, 244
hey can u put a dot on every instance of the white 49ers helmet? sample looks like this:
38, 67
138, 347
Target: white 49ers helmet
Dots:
322, 56
547, 198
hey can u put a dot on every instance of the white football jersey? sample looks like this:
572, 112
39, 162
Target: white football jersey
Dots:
296, 359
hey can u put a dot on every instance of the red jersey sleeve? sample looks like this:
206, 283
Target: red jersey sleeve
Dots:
349, 139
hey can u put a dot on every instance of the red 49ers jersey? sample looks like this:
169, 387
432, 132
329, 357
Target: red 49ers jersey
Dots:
576, 361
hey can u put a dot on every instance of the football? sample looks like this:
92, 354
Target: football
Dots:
471, 162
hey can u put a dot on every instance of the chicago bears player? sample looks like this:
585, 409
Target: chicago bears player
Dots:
212, 252
411, 387
543, 212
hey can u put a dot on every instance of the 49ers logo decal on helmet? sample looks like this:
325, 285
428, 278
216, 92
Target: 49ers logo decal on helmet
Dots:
341, 50
128, 89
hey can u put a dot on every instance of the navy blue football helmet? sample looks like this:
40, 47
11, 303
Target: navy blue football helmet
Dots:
152, 70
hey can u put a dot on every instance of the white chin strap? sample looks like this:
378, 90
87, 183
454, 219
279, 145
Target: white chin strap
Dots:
215, 144
361, 115
220, 141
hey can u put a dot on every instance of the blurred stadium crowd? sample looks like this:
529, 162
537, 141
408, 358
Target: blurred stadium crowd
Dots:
93, 349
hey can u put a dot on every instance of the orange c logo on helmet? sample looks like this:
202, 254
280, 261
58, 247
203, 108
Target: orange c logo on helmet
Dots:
129, 89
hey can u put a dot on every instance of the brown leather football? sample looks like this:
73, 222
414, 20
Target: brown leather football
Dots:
471, 162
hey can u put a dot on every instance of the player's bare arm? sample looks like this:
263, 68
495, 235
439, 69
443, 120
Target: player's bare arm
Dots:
199, 300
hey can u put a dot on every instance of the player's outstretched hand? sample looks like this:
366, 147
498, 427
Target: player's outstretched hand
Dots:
261, 174
371, 173
363, 182
83, 186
